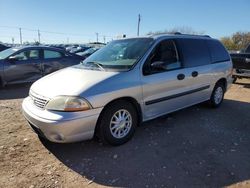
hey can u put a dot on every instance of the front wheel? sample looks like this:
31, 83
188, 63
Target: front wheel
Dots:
117, 123
217, 95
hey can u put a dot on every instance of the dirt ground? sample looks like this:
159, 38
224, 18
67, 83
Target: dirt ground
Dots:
194, 147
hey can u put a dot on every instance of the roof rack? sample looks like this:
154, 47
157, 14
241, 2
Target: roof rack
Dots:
178, 33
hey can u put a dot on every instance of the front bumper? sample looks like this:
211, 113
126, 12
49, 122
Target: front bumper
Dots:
61, 127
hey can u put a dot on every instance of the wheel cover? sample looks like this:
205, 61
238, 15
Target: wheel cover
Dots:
120, 124
218, 95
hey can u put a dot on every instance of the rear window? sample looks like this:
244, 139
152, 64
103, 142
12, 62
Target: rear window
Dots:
49, 54
194, 52
217, 51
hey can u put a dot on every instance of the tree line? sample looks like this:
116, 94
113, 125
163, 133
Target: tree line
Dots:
238, 41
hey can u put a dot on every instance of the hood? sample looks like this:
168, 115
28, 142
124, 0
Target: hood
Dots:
72, 81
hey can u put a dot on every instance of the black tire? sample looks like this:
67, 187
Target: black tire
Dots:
215, 103
104, 123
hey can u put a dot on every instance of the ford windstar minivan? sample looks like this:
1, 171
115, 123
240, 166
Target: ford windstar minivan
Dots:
127, 82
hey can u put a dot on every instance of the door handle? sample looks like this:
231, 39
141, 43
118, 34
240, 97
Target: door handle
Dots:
180, 76
195, 73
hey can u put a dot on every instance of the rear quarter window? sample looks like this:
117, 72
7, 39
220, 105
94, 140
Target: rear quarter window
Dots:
49, 54
194, 52
218, 52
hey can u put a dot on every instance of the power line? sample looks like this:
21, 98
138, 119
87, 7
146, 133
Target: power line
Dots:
45, 31
11, 27
38, 33
53, 32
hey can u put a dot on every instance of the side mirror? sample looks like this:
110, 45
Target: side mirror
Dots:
158, 64
12, 59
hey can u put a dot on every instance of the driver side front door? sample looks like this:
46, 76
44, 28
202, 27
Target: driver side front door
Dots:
24, 66
167, 85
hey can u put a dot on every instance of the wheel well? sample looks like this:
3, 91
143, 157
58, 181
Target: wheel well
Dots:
222, 81
127, 99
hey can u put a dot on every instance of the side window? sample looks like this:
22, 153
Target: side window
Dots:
194, 52
217, 51
26, 55
34, 54
163, 58
49, 54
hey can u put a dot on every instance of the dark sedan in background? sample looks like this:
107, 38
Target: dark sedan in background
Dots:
27, 64
87, 52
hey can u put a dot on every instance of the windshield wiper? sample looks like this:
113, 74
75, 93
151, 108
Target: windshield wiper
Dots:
96, 64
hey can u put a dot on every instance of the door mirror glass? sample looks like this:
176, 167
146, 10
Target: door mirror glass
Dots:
158, 65
161, 65
12, 59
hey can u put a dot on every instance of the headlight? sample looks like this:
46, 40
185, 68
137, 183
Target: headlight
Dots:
68, 104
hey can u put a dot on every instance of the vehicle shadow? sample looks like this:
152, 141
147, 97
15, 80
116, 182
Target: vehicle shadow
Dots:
16, 91
194, 147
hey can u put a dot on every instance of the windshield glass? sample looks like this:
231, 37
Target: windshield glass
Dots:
6, 53
119, 54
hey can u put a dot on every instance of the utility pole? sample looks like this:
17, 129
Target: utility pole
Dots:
97, 36
12, 40
138, 26
38, 32
20, 32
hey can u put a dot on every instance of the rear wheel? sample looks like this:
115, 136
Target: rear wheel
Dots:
117, 123
217, 95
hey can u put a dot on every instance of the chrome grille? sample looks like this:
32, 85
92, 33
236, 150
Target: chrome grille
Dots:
38, 101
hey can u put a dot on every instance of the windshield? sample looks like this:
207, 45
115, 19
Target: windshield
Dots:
6, 53
119, 54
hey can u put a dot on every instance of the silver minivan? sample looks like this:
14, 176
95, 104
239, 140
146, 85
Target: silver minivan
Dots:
127, 82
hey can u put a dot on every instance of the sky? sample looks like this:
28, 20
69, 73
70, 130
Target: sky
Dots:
78, 21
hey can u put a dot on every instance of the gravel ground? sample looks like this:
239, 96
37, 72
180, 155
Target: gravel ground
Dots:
194, 147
